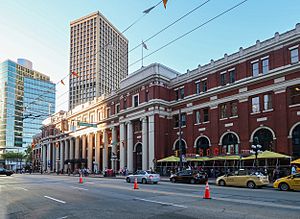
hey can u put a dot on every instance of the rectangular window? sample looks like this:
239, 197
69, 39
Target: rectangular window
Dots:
267, 101
255, 69
177, 94
198, 88
234, 109
181, 93
107, 112
255, 104
205, 115
204, 86
135, 101
223, 79
197, 117
176, 121
232, 76
295, 95
146, 96
265, 66
125, 104
223, 111
183, 119
294, 55
117, 108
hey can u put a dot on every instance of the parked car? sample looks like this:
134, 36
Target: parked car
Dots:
291, 182
6, 172
189, 176
243, 179
144, 177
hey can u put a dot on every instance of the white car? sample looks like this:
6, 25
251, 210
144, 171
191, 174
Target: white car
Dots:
144, 177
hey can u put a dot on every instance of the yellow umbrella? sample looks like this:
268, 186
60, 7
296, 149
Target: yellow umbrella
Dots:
296, 161
199, 159
227, 157
169, 159
267, 155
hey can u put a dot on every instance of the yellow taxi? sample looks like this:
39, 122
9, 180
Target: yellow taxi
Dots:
243, 179
291, 182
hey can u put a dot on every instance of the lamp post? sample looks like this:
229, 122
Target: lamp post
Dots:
180, 145
256, 150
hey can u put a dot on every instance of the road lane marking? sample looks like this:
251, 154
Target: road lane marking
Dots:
22, 188
54, 199
268, 204
92, 183
63, 217
161, 203
79, 188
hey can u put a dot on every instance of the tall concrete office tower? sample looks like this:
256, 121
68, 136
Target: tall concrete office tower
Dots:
99, 57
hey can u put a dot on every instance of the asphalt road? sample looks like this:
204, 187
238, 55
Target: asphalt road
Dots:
49, 196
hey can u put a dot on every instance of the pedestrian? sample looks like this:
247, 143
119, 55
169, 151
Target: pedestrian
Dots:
293, 171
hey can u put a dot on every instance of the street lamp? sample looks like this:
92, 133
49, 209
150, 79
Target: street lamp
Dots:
255, 150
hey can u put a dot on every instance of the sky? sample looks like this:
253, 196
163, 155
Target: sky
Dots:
40, 31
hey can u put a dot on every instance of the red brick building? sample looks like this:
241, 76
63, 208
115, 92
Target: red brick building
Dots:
224, 105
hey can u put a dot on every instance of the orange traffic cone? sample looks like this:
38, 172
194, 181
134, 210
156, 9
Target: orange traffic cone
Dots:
206, 192
135, 185
80, 178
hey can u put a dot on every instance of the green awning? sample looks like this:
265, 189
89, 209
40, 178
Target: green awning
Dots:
169, 159
267, 155
228, 157
197, 159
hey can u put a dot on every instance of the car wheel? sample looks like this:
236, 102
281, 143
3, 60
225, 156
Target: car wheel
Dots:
251, 185
222, 183
192, 181
173, 180
144, 181
128, 179
284, 187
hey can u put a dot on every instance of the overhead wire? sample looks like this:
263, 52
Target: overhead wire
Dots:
189, 32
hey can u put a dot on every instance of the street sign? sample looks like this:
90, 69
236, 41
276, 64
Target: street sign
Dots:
87, 124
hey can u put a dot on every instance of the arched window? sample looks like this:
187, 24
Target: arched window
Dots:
183, 146
230, 144
296, 141
265, 139
202, 145
138, 156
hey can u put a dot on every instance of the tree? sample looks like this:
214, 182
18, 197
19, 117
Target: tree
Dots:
28, 154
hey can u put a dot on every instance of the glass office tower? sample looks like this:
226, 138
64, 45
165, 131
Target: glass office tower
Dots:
27, 97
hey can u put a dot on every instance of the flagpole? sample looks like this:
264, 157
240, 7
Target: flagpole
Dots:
142, 55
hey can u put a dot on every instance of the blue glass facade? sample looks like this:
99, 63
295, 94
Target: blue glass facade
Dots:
26, 99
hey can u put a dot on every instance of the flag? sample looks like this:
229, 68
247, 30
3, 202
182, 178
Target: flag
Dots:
61, 81
148, 10
165, 3
144, 45
74, 73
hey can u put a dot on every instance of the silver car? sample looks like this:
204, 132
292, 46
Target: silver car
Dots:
144, 177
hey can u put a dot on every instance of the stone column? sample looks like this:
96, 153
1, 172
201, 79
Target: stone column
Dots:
48, 157
84, 146
61, 155
71, 157
44, 157
122, 145
145, 144
114, 149
77, 143
97, 151
53, 146
151, 141
105, 145
57, 157
90, 151
66, 154
129, 147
